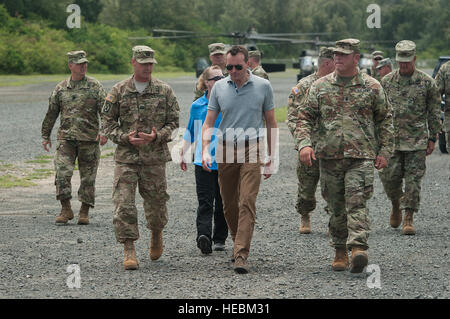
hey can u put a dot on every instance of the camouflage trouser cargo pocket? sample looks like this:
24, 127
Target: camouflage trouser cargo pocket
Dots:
152, 185
411, 167
347, 185
88, 155
308, 178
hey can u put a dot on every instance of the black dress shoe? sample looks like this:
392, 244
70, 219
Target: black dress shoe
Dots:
204, 243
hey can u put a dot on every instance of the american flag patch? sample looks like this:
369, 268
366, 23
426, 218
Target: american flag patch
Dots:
110, 98
295, 90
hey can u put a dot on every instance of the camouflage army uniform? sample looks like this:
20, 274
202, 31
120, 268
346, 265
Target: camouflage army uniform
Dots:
354, 126
126, 110
308, 177
259, 71
79, 106
443, 84
200, 87
376, 74
415, 103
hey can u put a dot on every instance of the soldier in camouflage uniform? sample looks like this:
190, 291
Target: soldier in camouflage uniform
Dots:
308, 177
78, 100
355, 132
377, 56
415, 102
254, 58
217, 53
139, 115
384, 67
443, 84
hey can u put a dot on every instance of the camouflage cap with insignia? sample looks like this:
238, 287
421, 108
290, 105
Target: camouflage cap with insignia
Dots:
377, 55
144, 54
383, 63
347, 46
406, 51
216, 48
255, 53
326, 52
77, 57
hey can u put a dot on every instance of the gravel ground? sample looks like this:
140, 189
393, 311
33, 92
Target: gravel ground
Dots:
36, 253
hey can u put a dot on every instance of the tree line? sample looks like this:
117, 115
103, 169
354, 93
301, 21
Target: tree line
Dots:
34, 34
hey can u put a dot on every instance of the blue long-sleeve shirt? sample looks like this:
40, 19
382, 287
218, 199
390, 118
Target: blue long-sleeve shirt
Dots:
193, 133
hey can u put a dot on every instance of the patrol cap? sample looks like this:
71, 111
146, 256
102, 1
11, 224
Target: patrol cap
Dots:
377, 55
144, 54
347, 46
326, 52
216, 48
383, 63
77, 57
406, 50
254, 54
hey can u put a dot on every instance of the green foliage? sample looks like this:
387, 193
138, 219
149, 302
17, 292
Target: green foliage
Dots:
34, 37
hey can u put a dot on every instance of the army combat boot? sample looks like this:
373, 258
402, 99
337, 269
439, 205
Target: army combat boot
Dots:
66, 212
340, 261
83, 218
359, 259
408, 228
130, 261
396, 215
305, 226
156, 244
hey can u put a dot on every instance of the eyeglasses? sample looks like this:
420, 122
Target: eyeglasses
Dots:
216, 78
237, 66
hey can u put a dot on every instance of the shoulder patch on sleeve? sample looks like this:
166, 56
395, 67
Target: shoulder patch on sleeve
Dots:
110, 98
295, 90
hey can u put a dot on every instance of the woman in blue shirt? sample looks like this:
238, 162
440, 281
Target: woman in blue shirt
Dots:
207, 186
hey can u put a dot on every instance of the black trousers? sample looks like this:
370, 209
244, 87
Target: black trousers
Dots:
210, 206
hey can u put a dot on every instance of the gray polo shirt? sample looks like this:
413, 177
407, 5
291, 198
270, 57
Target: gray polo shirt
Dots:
243, 109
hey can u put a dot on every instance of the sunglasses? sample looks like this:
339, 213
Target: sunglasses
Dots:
216, 78
237, 66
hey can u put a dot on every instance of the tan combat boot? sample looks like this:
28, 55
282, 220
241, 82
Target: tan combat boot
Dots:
305, 226
156, 244
359, 259
408, 228
396, 215
340, 261
83, 218
130, 261
66, 212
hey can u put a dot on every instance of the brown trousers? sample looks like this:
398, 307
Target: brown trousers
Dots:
239, 186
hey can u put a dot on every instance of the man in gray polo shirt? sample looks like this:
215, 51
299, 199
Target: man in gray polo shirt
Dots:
245, 101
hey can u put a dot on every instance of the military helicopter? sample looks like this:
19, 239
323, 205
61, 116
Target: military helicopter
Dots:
249, 39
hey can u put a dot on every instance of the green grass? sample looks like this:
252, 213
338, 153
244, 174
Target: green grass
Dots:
9, 181
110, 154
5, 166
40, 173
280, 114
41, 159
